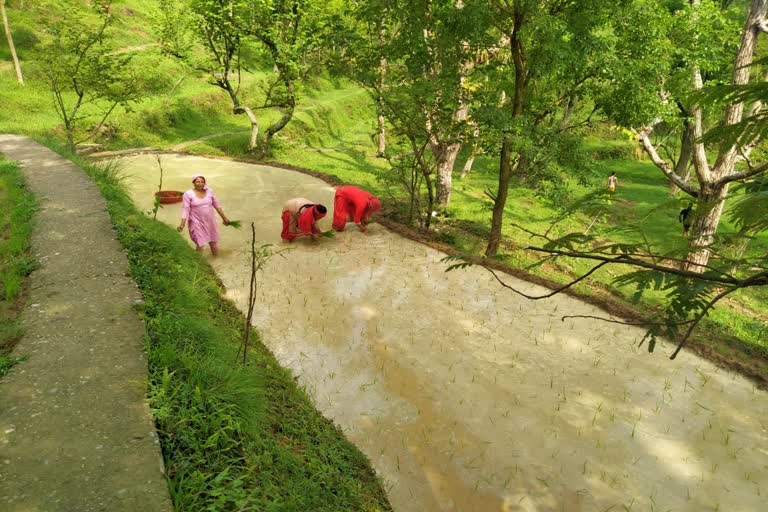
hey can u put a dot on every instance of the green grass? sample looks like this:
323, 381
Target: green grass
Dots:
16, 261
233, 437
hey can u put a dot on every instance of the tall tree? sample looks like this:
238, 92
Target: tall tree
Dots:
87, 77
428, 51
705, 47
556, 50
11, 46
282, 33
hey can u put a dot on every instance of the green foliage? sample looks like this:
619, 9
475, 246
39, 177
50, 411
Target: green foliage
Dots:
19, 206
629, 55
85, 73
16, 260
234, 437
6, 363
639, 58
750, 209
751, 128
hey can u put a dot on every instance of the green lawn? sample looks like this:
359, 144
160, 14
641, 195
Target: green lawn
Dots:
16, 262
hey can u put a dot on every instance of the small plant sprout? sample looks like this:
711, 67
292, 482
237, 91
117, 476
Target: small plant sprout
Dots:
157, 205
704, 378
597, 411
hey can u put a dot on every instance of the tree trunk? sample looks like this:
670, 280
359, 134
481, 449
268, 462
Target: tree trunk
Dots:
8, 35
682, 168
756, 22
445, 155
238, 109
282, 122
475, 151
505, 162
430, 202
468, 164
381, 136
505, 174
254, 139
709, 208
381, 140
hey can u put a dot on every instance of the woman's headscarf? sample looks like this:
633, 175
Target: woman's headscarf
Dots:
319, 211
205, 186
374, 203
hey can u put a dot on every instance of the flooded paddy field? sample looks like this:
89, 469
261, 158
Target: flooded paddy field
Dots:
464, 396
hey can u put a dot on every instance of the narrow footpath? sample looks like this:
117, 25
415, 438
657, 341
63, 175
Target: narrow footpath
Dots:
76, 433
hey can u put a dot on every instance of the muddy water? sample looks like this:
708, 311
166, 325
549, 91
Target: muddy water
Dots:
466, 397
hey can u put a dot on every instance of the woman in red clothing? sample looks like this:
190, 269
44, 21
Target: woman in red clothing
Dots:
353, 204
300, 218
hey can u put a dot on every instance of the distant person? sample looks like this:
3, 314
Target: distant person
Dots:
613, 182
198, 204
355, 205
686, 217
300, 216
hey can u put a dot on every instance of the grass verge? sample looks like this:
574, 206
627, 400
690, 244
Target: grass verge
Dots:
16, 261
233, 437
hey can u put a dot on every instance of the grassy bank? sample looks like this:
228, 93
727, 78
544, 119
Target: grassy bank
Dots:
16, 262
233, 437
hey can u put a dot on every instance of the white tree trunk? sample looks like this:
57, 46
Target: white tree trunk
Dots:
446, 159
8, 35
381, 135
709, 208
713, 181
475, 150
254, 139
381, 138
712, 198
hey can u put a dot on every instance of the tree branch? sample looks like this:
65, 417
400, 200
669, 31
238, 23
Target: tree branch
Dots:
556, 291
665, 167
699, 318
101, 123
623, 322
627, 260
739, 176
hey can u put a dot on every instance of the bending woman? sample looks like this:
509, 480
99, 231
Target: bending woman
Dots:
353, 204
198, 205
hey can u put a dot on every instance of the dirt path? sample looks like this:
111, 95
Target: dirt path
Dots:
75, 430
468, 398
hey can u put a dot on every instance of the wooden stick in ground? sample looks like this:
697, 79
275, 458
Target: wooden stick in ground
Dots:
251, 294
11, 47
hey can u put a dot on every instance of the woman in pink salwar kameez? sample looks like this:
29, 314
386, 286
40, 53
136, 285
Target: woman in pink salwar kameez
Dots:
198, 204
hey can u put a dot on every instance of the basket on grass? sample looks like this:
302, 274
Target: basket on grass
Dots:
169, 196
